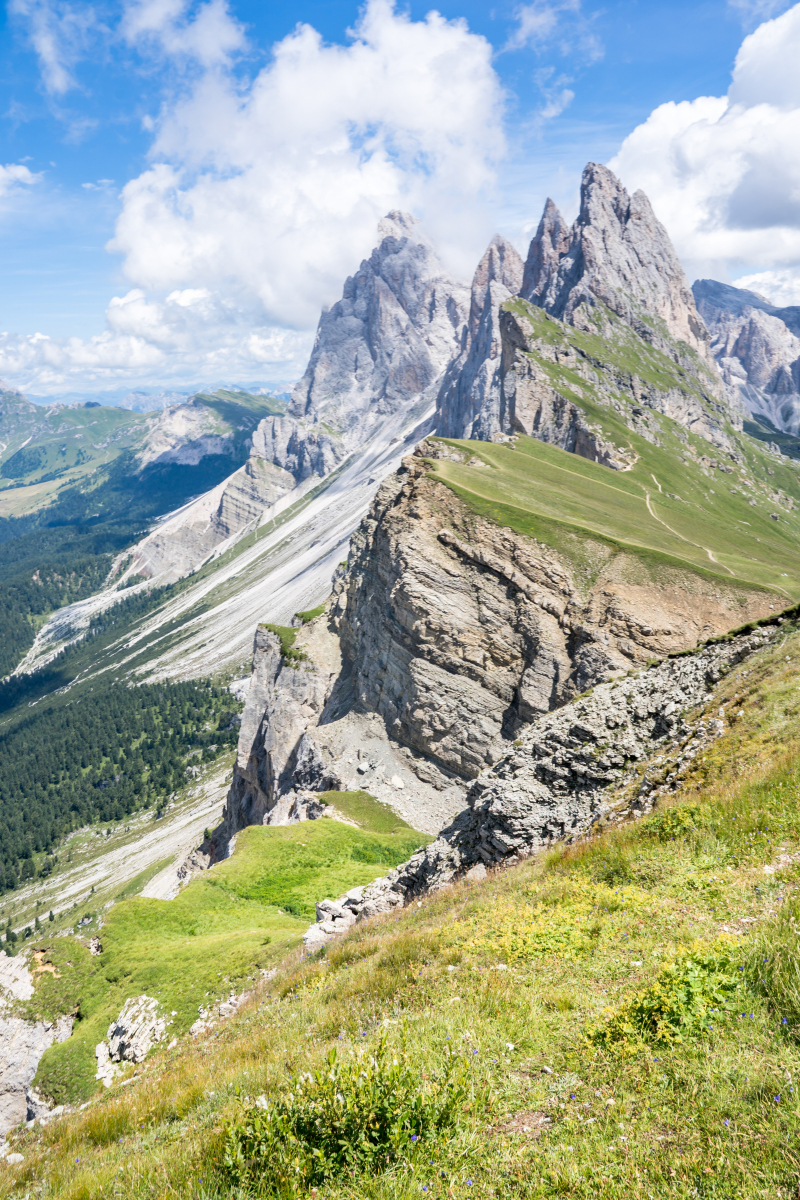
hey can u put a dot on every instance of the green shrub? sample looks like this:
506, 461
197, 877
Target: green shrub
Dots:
683, 1002
354, 1115
676, 822
612, 866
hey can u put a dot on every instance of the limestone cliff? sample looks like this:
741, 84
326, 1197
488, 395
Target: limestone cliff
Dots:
468, 404
619, 256
570, 772
458, 632
445, 638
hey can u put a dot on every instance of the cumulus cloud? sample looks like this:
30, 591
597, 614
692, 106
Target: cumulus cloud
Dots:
279, 187
189, 336
14, 176
723, 173
263, 195
210, 37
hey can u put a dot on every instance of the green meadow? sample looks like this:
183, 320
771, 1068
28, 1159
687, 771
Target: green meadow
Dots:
221, 930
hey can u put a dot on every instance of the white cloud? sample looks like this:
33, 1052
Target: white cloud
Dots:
211, 37
189, 336
723, 173
779, 287
263, 195
278, 188
556, 24
753, 12
14, 176
59, 33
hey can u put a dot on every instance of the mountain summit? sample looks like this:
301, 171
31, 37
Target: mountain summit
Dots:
615, 275
617, 254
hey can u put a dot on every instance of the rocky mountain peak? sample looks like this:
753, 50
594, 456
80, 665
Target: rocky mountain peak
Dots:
468, 403
757, 347
619, 254
548, 246
388, 339
501, 264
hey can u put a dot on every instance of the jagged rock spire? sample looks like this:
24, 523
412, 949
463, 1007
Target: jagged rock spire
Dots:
618, 254
389, 338
469, 400
548, 246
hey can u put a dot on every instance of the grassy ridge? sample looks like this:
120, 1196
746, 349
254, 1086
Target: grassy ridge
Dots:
543, 492
220, 930
516, 975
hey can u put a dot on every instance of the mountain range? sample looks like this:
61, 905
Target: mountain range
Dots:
458, 600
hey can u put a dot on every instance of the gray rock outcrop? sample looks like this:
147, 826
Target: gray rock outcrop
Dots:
556, 781
469, 401
619, 255
22, 1044
458, 632
277, 756
757, 347
388, 340
615, 279
130, 1038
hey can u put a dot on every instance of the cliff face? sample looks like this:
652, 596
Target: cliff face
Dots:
548, 368
757, 347
618, 254
571, 772
458, 632
388, 339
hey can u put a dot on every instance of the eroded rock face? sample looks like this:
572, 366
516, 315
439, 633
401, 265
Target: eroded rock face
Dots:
130, 1038
544, 369
388, 339
757, 347
22, 1044
554, 783
468, 403
379, 356
619, 254
459, 632
615, 277
284, 701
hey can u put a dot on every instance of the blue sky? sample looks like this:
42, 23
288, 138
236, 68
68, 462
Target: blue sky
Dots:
256, 159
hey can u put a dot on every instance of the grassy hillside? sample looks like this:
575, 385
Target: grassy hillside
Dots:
219, 932
618, 1019
665, 506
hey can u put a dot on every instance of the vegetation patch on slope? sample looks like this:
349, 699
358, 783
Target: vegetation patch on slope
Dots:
215, 936
676, 914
